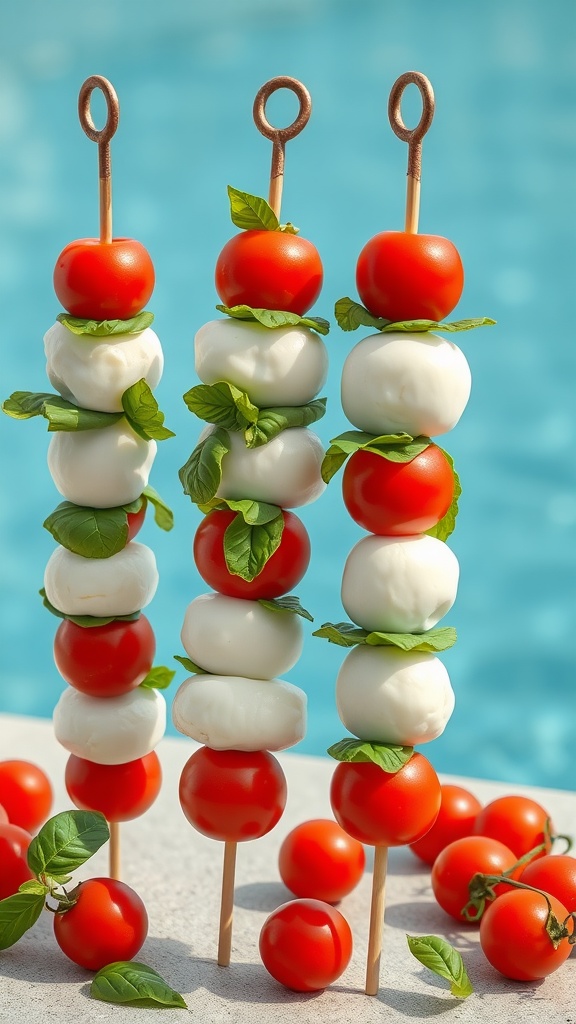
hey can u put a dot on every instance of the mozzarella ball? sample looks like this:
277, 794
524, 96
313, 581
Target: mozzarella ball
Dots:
391, 696
230, 636
119, 585
110, 730
95, 372
286, 471
101, 468
399, 584
283, 366
418, 383
237, 713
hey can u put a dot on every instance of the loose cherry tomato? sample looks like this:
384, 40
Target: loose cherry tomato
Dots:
97, 280
14, 870
455, 820
403, 276
25, 793
232, 795
105, 661
555, 875
306, 945
517, 821
514, 939
398, 498
458, 862
269, 270
384, 809
282, 571
120, 792
319, 860
135, 521
107, 923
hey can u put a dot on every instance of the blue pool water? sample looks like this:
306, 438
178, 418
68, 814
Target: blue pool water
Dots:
499, 179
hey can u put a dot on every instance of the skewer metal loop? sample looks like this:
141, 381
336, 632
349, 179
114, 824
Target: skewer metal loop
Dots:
280, 136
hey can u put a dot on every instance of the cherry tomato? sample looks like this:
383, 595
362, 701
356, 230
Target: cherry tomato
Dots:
107, 923
14, 870
306, 945
555, 875
269, 270
403, 276
4, 819
319, 860
25, 793
282, 571
105, 661
397, 498
232, 795
458, 862
383, 809
120, 792
514, 938
135, 521
517, 821
455, 820
97, 280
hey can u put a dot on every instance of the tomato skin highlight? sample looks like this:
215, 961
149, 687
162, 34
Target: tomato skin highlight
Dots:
97, 280
455, 820
556, 875
121, 792
269, 270
514, 938
458, 862
319, 860
398, 498
25, 794
14, 870
517, 821
105, 661
282, 571
306, 945
108, 923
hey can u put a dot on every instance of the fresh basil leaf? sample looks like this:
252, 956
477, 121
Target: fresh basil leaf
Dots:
65, 842
90, 532
158, 678
346, 634
35, 887
399, 447
142, 412
343, 634
273, 318
350, 315
254, 513
251, 213
190, 665
248, 545
17, 914
272, 422
444, 528
61, 415
223, 404
390, 757
132, 983
202, 474
421, 326
163, 514
106, 328
86, 620
289, 603
440, 957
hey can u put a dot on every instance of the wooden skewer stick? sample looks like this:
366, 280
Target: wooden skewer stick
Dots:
280, 136
114, 850
102, 137
413, 136
376, 920
227, 904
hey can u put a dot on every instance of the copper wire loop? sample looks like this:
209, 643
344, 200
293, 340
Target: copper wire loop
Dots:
280, 136
413, 136
103, 135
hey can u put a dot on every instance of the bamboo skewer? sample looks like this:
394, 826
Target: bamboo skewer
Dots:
376, 920
280, 136
413, 136
102, 137
227, 904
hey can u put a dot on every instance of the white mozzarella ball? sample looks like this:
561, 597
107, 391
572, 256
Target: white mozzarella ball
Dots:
237, 713
119, 585
399, 584
230, 636
110, 730
286, 471
101, 468
418, 383
283, 366
391, 696
95, 372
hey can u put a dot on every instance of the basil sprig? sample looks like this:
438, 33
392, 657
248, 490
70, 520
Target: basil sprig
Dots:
106, 328
102, 532
443, 960
273, 318
346, 634
87, 621
251, 213
390, 757
127, 982
350, 315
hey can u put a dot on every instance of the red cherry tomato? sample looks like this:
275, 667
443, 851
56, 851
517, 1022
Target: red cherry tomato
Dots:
108, 923
282, 571
517, 821
14, 870
135, 521
398, 498
232, 795
555, 875
455, 820
120, 792
4, 819
269, 270
306, 945
105, 661
402, 276
458, 862
383, 809
97, 280
514, 939
25, 793
319, 860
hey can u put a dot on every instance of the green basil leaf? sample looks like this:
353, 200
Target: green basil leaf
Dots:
159, 678
223, 404
343, 634
35, 887
86, 620
61, 415
421, 326
255, 513
440, 957
105, 328
67, 841
90, 532
248, 545
346, 634
399, 447
190, 665
202, 474
273, 318
163, 514
272, 422
132, 983
289, 603
251, 213
17, 914
142, 412
350, 315
444, 528
388, 756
